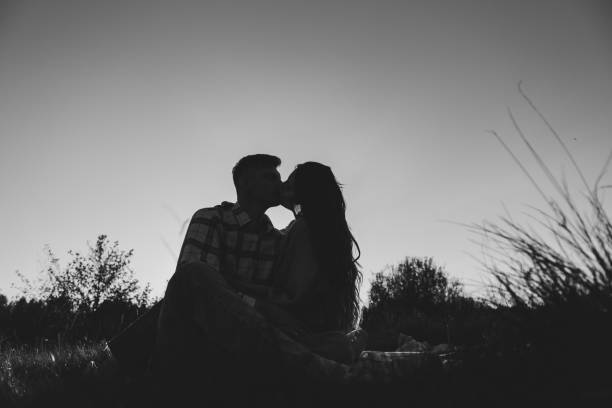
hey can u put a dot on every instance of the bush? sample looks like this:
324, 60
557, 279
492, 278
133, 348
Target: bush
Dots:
417, 298
101, 275
93, 297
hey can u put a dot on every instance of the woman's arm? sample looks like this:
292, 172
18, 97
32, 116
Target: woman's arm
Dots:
251, 289
298, 271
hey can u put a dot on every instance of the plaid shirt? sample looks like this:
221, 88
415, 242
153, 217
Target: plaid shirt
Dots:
227, 239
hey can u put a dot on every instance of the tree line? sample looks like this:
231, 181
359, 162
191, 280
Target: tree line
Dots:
96, 295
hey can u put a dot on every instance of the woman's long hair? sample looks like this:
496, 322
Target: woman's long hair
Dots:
322, 205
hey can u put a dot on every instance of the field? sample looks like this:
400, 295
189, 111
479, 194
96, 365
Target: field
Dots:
86, 375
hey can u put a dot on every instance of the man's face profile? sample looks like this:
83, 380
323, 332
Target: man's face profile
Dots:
265, 185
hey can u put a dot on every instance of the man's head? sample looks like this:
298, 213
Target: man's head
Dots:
257, 180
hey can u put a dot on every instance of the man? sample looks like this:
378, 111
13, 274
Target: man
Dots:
209, 329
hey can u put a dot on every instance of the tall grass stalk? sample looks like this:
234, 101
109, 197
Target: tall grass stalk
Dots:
573, 265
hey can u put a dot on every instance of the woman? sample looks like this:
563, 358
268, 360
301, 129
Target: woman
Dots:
320, 275
317, 267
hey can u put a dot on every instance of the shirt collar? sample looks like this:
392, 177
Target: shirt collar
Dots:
242, 217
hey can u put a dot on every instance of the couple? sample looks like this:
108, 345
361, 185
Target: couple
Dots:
252, 308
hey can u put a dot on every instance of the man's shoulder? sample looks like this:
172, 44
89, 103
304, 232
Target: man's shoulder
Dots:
215, 212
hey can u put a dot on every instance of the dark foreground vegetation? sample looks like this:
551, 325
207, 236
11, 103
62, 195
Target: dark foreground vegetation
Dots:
75, 375
494, 356
569, 371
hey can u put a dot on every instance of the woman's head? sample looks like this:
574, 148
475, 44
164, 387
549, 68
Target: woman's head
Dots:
313, 187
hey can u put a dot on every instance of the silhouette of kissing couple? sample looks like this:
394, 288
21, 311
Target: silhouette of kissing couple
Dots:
269, 312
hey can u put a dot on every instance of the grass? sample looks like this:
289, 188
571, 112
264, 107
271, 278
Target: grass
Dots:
85, 376
568, 261
79, 375
557, 278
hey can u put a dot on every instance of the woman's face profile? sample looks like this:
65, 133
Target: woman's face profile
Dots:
288, 192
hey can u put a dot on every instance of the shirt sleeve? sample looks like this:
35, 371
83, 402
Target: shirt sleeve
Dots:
202, 241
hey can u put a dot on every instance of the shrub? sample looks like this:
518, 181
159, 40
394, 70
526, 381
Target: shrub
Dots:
101, 275
93, 297
417, 298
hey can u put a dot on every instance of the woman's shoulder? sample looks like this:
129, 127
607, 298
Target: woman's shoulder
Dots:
297, 226
295, 236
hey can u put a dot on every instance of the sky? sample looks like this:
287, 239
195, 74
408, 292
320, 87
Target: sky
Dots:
123, 118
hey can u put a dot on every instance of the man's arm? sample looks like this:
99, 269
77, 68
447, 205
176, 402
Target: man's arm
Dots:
202, 241
265, 292
280, 318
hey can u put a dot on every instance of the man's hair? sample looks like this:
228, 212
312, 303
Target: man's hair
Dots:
251, 162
